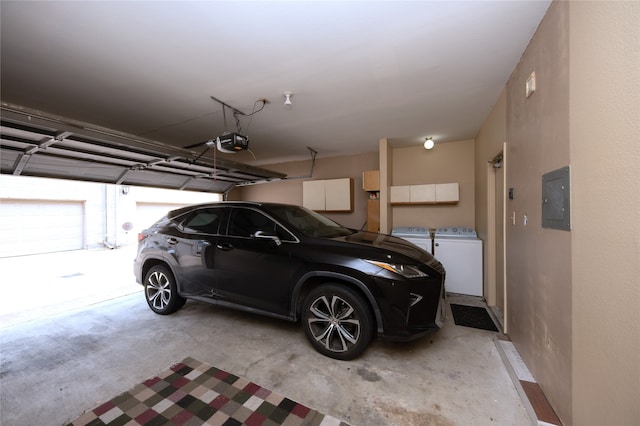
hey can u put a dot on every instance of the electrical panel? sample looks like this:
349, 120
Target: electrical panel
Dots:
556, 199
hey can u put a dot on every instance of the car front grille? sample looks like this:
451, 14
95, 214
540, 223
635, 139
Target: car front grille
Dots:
424, 302
413, 299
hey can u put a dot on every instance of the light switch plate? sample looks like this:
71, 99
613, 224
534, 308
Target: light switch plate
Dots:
530, 86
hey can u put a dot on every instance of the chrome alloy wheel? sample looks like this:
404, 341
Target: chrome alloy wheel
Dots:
161, 292
334, 323
158, 290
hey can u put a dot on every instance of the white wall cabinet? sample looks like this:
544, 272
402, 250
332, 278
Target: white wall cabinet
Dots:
313, 194
447, 193
425, 194
332, 195
400, 194
422, 193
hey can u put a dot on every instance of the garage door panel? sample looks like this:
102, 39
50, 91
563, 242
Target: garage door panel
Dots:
32, 227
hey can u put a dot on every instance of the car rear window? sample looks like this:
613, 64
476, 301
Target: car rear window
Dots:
204, 220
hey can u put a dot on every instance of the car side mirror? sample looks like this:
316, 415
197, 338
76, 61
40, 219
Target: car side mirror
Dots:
262, 235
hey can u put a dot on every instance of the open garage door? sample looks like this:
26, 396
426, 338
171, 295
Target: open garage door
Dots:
34, 143
40, 226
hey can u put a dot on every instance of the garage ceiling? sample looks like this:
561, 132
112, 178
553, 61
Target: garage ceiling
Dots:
146, 71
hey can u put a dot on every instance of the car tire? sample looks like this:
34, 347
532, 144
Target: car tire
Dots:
337, 321
161, 292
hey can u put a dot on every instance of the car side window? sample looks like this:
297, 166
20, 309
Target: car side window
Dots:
205, 221
284, 235
246, 222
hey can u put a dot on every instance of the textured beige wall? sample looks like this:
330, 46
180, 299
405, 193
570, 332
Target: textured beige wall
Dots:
605, 160
574, 296
290, 191
447, 162
539, 271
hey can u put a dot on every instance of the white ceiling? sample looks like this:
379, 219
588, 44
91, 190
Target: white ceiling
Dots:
359, 70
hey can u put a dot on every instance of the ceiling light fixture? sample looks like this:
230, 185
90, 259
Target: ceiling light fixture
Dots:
287, 100
428, 143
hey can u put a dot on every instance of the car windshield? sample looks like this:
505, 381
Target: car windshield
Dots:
310, 223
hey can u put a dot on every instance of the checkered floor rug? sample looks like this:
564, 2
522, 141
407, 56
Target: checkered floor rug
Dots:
194, 393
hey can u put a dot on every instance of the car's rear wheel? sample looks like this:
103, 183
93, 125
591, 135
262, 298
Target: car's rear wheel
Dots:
337, 321
161, 292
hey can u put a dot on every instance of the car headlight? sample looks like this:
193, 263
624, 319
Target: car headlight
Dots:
406, 271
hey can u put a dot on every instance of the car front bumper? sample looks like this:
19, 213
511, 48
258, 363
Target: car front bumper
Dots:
415, 308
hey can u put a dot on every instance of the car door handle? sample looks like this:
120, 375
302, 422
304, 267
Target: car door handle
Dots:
225, 247
172, 241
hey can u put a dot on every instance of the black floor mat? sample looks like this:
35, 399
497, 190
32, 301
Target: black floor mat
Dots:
472, 316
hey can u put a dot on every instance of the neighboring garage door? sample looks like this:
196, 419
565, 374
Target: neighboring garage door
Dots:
40, 226
149, 213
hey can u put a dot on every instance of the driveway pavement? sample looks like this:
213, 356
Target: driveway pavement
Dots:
42, 285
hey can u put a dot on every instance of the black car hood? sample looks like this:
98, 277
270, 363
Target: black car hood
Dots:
389, 243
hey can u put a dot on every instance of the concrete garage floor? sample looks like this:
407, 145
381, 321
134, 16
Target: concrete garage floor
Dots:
73, 357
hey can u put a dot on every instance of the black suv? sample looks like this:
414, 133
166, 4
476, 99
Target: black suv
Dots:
289, 262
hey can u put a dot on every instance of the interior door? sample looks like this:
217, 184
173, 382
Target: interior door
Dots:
500, 227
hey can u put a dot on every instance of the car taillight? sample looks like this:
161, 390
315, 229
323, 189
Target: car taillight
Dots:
141, 236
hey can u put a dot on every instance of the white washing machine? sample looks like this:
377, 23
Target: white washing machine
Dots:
415, 234
460, 251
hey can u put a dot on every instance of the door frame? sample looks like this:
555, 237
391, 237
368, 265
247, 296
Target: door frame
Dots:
492, 231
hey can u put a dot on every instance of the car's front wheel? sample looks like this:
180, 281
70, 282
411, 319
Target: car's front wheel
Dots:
337, 321
161, 291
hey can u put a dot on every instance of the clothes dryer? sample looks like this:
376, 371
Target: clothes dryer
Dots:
417, 235
460, 251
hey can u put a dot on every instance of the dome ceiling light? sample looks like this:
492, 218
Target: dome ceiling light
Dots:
428, 143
